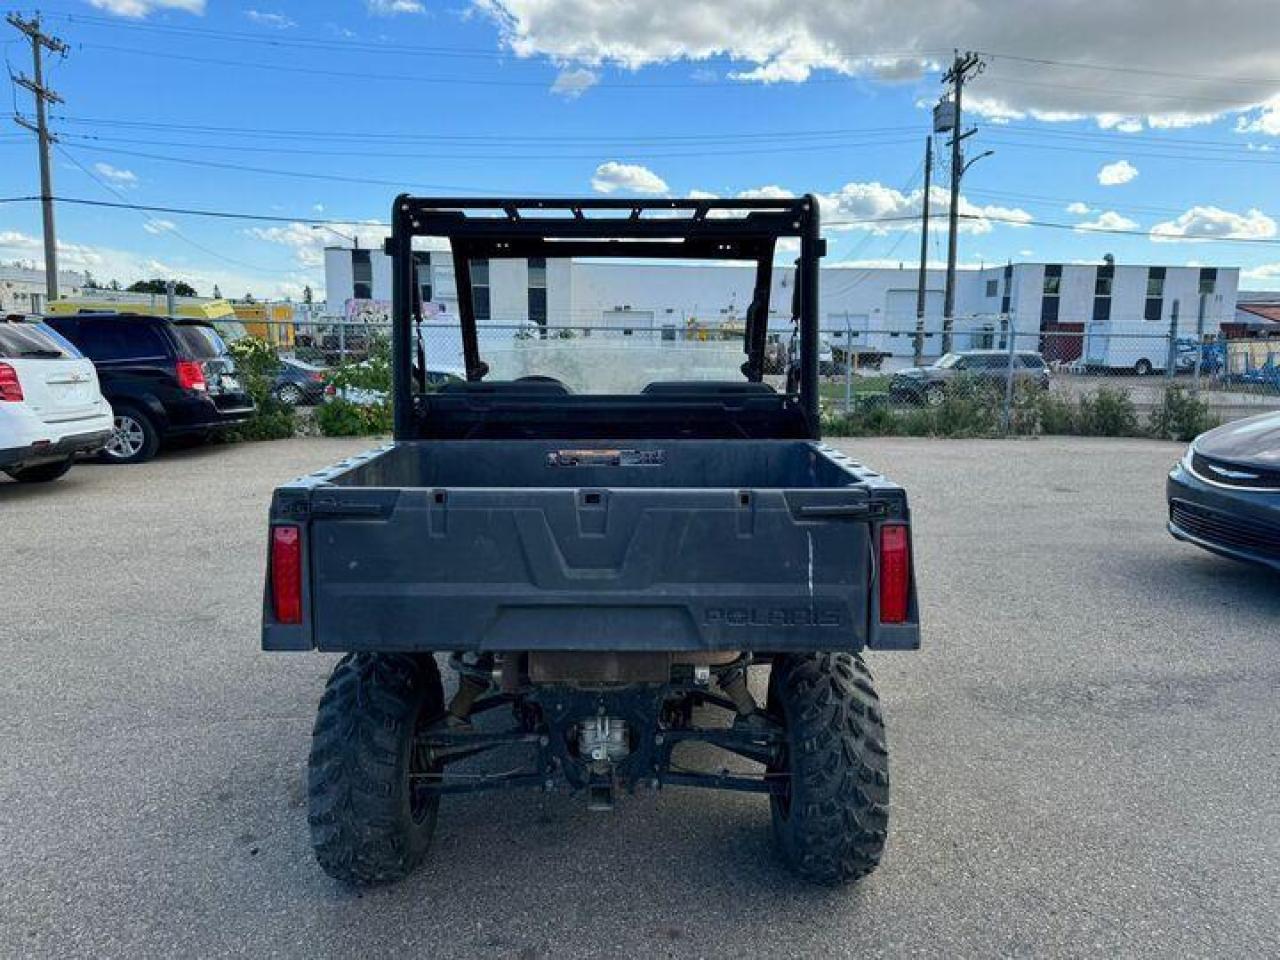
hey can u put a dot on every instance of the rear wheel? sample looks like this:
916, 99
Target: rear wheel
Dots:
290, 394
134, 438
369, 822
830, 824
42, 473
1143, 367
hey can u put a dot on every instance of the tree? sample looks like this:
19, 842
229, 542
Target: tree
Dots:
217, 294
307, 296
180, 288
113, 285
90, 283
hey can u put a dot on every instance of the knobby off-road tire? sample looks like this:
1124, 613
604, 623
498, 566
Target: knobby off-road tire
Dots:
368, 824
830, 826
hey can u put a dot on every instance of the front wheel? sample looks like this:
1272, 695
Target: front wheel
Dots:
43, 473
290, 394
370, 821
933, 395
831, 821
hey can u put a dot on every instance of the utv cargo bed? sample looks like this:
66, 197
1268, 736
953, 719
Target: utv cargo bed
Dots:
524, 545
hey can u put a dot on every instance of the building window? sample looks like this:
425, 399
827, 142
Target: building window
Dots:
480, 288
1102, 286
1155, 286
993, 288
538, 290
1052, 285
361, 275
1050, 300
1208, 281
1154, 305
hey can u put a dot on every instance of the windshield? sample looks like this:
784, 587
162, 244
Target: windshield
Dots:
34, 341
196, 341
947, 360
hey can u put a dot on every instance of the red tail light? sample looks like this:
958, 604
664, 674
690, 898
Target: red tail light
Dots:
286, 574
895, 573
10, 385
191, 375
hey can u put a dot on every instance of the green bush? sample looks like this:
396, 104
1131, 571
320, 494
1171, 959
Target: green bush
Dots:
1180, 416
1108, 412
342, 418
257, 366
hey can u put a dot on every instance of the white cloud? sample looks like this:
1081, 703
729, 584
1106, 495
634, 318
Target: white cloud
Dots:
874, 207
277, 21
118, 176
1205, 222
140, 8
1265, 120
572, 84
308, 243
1079, 209
389, 8
109, 263
158, 226
1108, 220
781, 41
1119, 122
627, 177
1263, 271
1114, 174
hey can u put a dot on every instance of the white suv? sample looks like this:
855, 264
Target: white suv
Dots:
50, 406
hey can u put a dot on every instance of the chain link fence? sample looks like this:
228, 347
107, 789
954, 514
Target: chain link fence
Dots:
868, 369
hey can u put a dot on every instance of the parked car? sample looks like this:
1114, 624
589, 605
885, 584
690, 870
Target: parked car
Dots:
929, 384
1224, 495
164, 376
51, 407
299, 383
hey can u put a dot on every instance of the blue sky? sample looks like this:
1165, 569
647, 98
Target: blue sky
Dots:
191, 103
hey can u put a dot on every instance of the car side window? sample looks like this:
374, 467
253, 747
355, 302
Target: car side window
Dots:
1031, 361
113, 338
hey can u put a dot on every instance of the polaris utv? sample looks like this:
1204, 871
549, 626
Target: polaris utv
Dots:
604, 570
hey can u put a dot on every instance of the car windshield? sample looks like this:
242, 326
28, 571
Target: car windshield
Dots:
34, 341
947, 360
199, 341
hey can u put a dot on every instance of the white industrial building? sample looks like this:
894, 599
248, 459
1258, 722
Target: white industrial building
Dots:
876, 307
22, 288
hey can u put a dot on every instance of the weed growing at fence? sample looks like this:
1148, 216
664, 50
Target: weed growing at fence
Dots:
1180, 416
977, 411
257, 366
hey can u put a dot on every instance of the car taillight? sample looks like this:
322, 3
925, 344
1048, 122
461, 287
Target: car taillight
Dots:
286, 574
895, 572
191, 375
10, 385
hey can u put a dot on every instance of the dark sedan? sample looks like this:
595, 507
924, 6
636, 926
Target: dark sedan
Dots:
299, 383
1224, 495
930, 384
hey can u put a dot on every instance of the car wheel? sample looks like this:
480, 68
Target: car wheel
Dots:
290, 394
1143, 367
933, 395
42, 473
134, 438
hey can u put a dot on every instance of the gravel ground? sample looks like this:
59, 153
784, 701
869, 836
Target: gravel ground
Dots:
1085, 754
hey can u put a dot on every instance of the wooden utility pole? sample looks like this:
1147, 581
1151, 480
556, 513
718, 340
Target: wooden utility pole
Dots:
40, 41
961, 67
924, 250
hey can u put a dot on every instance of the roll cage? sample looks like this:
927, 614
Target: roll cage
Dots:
606, 228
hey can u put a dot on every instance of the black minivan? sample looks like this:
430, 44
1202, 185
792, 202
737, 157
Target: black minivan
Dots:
163, 376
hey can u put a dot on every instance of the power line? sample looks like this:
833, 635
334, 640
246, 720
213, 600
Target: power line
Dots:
170, 228
490, 155
1113, 68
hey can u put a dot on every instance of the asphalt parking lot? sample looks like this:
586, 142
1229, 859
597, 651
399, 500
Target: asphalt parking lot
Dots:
1086, 754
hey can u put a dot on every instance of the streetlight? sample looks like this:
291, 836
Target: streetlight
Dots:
355, 241
969, 163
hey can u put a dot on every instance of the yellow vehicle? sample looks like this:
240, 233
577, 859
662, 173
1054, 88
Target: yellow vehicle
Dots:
272, 322
218, 312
